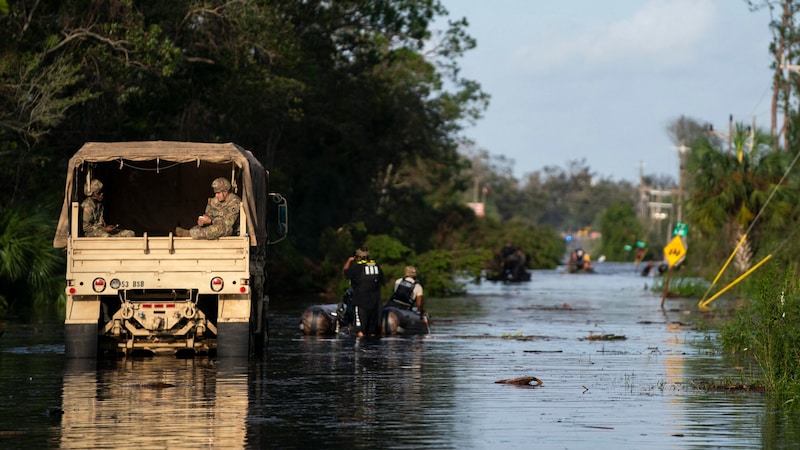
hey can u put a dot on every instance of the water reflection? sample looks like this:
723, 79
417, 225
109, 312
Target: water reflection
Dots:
349, 393
154, 403
432, 391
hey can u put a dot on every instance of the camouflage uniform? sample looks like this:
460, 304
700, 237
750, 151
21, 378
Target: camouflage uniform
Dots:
92, 218
224, 215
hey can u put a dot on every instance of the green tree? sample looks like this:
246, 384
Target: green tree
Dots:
730, 189
31, 270
619, 227
378, 130
570, 199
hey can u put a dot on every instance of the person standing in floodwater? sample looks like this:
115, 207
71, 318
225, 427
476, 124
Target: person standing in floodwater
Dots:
366, 278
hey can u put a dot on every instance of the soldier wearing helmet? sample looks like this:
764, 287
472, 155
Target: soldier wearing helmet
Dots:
221, 185
221, 217
93, 222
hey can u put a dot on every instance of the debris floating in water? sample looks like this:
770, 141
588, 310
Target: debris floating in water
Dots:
521, 381
605, 337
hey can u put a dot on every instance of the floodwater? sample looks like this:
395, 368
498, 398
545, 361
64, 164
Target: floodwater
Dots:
616, 371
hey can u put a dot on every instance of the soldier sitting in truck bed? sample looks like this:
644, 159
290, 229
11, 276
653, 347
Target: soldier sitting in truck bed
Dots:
221, 217
93, 222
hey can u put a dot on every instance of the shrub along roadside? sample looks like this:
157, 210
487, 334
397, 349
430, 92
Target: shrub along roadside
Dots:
31, 270
766, 329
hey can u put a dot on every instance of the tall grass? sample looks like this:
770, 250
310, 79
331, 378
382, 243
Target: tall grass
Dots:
682, 286
768, 329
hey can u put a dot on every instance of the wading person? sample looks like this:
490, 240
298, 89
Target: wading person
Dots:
221, 216
366, 278
93, 221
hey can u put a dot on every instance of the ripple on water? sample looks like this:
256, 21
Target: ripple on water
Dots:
435, 391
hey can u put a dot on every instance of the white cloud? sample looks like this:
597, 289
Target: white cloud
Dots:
661, 33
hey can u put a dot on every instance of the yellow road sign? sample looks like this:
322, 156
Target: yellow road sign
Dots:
675, 251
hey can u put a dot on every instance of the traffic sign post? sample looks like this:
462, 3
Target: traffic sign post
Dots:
674, 252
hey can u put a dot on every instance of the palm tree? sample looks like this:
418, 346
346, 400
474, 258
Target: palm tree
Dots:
729, 189
31, 270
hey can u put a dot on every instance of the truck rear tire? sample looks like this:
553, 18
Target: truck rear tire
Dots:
233, 340
80, 340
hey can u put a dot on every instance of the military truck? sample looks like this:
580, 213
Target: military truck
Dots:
157, 292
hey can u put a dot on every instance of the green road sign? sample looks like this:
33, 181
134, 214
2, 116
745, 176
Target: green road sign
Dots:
681, 229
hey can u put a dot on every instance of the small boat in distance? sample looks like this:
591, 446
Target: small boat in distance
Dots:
579, 262
510, 267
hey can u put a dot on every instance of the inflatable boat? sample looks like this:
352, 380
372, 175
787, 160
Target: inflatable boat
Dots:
516, 276
320, 320
576, 269
330, 320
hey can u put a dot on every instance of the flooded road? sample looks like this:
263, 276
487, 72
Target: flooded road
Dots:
617, 372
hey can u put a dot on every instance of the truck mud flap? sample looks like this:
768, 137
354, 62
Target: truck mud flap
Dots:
80, 340
233, 339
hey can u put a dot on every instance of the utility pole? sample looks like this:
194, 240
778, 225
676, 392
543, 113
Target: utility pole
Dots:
722, 134
682, 149
730, 134
792, 68
643, 210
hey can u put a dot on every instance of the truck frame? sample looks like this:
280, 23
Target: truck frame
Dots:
158, 293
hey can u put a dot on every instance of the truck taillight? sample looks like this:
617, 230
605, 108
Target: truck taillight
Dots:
99, 285
217, 284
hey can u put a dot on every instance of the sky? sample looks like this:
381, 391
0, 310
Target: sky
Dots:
601, 81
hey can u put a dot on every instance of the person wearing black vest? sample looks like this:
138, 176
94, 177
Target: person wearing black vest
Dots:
407, 292
366, 278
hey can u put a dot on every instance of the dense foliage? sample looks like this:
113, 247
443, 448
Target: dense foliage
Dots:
29, 268
356, 107
344, 101
619, 227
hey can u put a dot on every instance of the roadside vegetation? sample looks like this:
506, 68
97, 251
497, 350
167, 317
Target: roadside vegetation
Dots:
358, 108
766, 330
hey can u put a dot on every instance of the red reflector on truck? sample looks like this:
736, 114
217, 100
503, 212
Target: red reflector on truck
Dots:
217, 284
99, 285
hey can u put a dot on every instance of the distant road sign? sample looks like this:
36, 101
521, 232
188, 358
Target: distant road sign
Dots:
681, 229
675, 251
